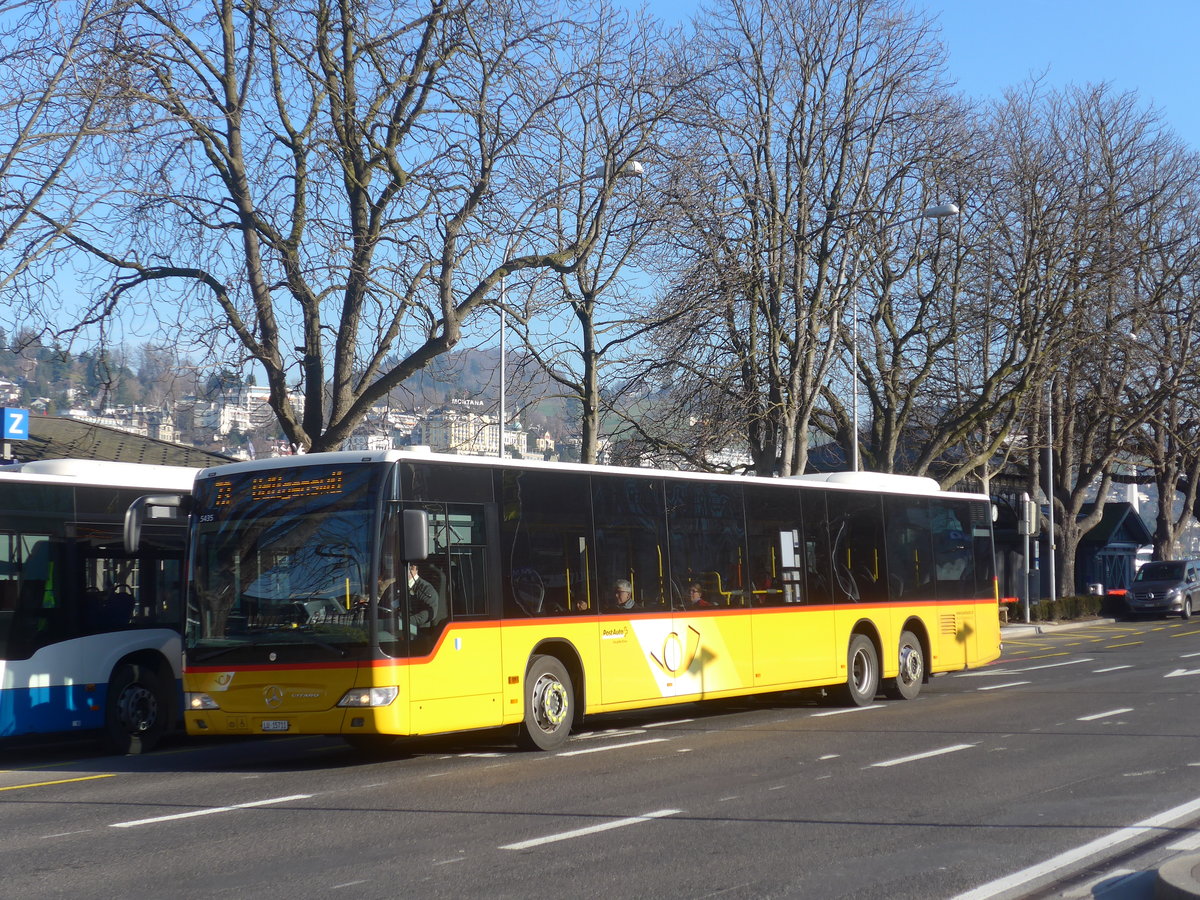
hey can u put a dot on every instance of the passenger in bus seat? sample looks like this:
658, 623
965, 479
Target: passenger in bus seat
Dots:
622, 598
696, 598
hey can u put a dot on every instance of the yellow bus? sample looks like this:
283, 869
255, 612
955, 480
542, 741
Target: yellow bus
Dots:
378, 594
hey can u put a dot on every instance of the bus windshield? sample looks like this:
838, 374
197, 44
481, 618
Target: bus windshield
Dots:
280, 564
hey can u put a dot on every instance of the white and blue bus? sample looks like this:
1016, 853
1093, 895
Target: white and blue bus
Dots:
89, 634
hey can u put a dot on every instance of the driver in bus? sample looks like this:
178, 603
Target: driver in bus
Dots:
423, 602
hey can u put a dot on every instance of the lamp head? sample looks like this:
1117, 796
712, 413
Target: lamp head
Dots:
941, 211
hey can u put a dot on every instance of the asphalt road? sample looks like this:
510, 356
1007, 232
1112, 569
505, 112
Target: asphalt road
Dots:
1069, 768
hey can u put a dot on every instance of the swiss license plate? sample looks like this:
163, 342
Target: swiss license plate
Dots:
275, 725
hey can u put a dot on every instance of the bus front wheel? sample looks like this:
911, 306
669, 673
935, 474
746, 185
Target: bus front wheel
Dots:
862, 672
911, 674
135, 713
549, 705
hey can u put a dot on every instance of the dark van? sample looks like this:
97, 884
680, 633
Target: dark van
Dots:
1165, 587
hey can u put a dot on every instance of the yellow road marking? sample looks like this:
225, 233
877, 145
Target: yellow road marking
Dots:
1129, 644
1185, 633
17, 787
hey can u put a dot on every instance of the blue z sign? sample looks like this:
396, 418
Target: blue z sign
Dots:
16, 424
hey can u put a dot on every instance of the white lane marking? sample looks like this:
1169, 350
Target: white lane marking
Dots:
1179, 672
851, 709
608, 747
996, 687
1191, 842
591, 829
1110, 669
668, 724
610, 733
1188, 655
1058, 665
954, 748
209, 812
829, 756
1081, 853
1105, 715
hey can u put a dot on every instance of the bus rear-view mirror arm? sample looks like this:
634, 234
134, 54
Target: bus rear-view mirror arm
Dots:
145, 507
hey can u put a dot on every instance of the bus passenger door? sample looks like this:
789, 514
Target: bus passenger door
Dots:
455, 672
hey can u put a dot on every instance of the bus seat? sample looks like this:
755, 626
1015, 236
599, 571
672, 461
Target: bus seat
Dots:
118, 606
9, 592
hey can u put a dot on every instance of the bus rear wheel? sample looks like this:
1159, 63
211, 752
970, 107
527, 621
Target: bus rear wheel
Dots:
549, 705
136, 711
862, 672
911, 675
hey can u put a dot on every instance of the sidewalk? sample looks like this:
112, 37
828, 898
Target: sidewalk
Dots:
1179, 877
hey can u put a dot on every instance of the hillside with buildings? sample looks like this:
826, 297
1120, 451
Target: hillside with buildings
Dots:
452, 407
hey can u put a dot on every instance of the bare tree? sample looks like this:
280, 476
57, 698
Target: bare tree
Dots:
1164, 344
786, 139
47, 57
319, 187
1119, 176
953, 338
570, 325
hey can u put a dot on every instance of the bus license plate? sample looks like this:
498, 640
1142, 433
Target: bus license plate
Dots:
275, 725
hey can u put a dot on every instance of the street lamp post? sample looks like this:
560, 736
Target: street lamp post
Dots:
941, 211
631, 169
1050, 485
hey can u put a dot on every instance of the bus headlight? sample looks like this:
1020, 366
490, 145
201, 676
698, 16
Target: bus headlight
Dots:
369, 697
199, 701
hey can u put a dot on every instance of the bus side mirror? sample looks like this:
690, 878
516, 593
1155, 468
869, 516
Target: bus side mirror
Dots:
152, 506
415, 535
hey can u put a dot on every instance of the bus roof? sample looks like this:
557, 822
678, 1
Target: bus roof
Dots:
856, 481
102, 473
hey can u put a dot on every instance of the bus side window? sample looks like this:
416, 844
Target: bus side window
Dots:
775, 568
546, 561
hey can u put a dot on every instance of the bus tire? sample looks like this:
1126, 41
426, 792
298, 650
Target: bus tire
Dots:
136, 711
549, 705
911, 674
862, 672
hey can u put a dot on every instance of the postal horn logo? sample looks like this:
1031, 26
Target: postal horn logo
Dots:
273, 695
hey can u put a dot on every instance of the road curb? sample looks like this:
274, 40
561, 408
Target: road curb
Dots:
1178, 878
1047, 627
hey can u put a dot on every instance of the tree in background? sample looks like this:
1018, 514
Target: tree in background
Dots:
50, 79
576, 324
1107, 178
787, 144
313, 187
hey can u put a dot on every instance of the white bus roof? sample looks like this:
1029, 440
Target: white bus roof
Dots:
861, 481
102, 473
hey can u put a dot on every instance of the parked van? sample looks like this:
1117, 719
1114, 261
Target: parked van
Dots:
1166, 587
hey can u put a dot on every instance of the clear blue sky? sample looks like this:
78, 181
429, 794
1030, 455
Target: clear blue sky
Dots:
1147, 46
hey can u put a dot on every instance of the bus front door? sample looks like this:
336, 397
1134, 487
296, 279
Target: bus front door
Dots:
455, 667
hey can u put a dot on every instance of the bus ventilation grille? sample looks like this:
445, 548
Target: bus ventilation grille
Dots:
950, 625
